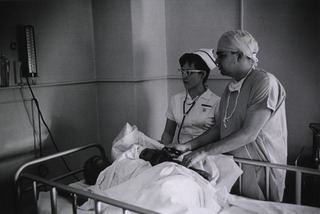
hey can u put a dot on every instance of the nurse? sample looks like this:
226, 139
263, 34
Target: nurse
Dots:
191, 112
252, 120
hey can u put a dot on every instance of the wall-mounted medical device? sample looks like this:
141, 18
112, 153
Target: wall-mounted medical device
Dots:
31, 51
27, 51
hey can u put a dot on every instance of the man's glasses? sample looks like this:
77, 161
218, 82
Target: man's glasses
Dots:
222, 54
188, 72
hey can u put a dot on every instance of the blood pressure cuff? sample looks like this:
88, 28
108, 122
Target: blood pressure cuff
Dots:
155, 157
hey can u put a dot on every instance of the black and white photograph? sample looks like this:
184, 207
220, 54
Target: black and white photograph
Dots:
160, 106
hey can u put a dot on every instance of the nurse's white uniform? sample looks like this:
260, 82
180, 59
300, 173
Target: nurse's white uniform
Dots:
199, 119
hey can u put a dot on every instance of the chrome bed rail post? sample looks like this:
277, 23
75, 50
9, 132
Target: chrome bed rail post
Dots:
35, 198
17, 198
97, 207
53, 199
298, 187
240, 180
268, 183
74, 203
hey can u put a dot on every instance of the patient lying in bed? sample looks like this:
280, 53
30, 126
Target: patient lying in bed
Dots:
166, 186
169, 187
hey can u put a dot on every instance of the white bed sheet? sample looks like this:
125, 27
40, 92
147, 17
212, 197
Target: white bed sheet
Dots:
168, 187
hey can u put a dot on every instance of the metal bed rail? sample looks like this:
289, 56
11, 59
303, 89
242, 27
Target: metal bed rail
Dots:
56, 155
296, 169
18, 177
38, 181
98, 199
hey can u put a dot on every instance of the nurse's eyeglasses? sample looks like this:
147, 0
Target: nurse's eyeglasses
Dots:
189, 71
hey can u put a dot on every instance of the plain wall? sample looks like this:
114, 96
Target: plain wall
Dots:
289, 44
131, 66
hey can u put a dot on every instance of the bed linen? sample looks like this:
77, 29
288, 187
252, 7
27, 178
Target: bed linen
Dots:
130, 142
169, 187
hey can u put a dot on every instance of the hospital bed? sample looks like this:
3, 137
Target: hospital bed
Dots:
46, 197
54, 184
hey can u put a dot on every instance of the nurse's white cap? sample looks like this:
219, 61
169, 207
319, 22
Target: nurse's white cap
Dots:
207, 55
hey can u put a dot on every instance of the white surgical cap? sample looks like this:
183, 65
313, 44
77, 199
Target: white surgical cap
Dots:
240, 40
207, 56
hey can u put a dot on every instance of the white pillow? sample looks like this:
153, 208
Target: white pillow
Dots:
128, 136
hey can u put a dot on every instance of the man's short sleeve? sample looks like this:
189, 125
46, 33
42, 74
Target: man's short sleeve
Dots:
169, 113
268, 93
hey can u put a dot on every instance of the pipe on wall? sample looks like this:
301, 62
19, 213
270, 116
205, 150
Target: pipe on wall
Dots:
241, 14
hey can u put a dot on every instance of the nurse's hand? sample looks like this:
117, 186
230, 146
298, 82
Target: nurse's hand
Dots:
178, 146
194, 157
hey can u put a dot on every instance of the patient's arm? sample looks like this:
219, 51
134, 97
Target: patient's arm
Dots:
168, 133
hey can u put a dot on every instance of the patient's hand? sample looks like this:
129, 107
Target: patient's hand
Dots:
180, 147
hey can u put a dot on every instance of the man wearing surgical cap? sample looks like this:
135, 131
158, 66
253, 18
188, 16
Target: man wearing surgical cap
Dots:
252, 117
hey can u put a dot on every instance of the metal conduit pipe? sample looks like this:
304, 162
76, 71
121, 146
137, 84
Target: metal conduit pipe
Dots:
241, 14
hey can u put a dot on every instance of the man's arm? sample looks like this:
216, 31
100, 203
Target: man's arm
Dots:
254, 122
211, 135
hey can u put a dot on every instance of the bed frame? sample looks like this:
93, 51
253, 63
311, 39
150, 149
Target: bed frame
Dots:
54, 185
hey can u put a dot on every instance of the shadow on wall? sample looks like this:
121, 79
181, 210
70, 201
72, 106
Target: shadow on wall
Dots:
150, 66
50, 168
17, 142
144, 122
65, 135
140, 70
55, 144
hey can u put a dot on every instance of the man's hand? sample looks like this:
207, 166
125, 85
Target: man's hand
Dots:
194, 157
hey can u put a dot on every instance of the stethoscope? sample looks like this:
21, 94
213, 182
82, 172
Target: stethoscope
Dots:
185, 113
226, 118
